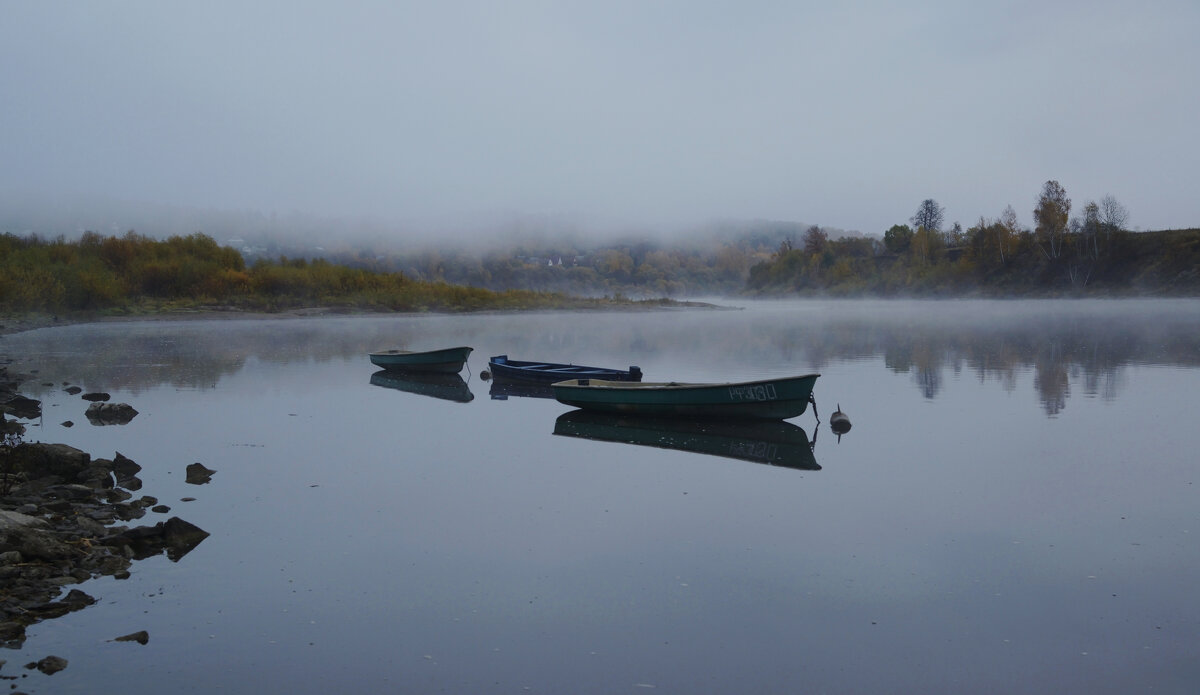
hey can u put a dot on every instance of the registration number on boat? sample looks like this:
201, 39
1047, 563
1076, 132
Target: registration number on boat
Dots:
753, 392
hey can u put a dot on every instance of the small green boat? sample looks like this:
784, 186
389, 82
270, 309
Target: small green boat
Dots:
773, 442
446, 360
768, 399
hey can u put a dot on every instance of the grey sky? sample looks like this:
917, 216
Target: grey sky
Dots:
657, 114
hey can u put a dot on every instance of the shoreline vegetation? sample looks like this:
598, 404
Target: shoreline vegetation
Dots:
97, 278
47, 282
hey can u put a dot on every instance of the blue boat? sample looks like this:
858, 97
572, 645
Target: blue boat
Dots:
549, 372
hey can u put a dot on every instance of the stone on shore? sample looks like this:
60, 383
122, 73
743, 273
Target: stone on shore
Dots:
110, 413
141, 637
198, 474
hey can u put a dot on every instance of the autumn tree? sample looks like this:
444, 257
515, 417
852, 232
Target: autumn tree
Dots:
1051, 214
898, 238
926, 244
815, 240
929, 215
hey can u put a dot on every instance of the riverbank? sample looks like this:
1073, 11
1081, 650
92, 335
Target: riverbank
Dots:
62, 514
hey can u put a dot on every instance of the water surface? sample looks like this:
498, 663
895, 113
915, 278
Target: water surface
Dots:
1014, 510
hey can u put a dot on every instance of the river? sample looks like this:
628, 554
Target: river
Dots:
1015, 509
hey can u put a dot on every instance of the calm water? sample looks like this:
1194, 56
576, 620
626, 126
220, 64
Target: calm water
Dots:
1016, 509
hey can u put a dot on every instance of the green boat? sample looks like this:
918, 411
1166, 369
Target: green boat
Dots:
446, 360
768, 399
774, 443
448, 387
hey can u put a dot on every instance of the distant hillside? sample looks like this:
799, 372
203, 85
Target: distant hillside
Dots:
710, 260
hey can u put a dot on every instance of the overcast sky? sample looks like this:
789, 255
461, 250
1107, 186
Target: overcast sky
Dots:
658, 114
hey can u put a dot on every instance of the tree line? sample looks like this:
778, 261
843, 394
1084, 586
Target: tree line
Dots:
1094, 253
1090, 253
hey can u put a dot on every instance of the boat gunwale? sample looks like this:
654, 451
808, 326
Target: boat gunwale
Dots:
608, 384
412, 353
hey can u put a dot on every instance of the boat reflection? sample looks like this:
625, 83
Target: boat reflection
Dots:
449, 387
776, 443
501, 389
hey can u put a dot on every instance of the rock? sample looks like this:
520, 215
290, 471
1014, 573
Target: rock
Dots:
175, 536
96, 397
15, 520
31, 540
124, 466
10, 428
49, 666
141, 637
55, 514
12, 632
68, 423
110, 413
72, 390
126, 472
197, 474
160, 508
75, 597
20, 406
40, 460
181, 537
70, 491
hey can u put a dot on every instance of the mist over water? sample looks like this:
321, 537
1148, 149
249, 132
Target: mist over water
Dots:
1010, 512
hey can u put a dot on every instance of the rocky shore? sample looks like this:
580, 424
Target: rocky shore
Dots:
66, 517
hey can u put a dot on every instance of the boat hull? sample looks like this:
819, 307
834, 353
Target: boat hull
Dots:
768, 399
445, 361
547, 373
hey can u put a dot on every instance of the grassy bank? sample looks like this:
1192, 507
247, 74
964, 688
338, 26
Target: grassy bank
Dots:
134, 275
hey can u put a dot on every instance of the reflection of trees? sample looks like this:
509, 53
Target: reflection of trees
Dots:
1089, 342
1050, 378
136, 356
1085, 342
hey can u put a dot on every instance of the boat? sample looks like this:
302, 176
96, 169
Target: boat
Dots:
768, 399
505, 369
448, 387
446, 360
773, 442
